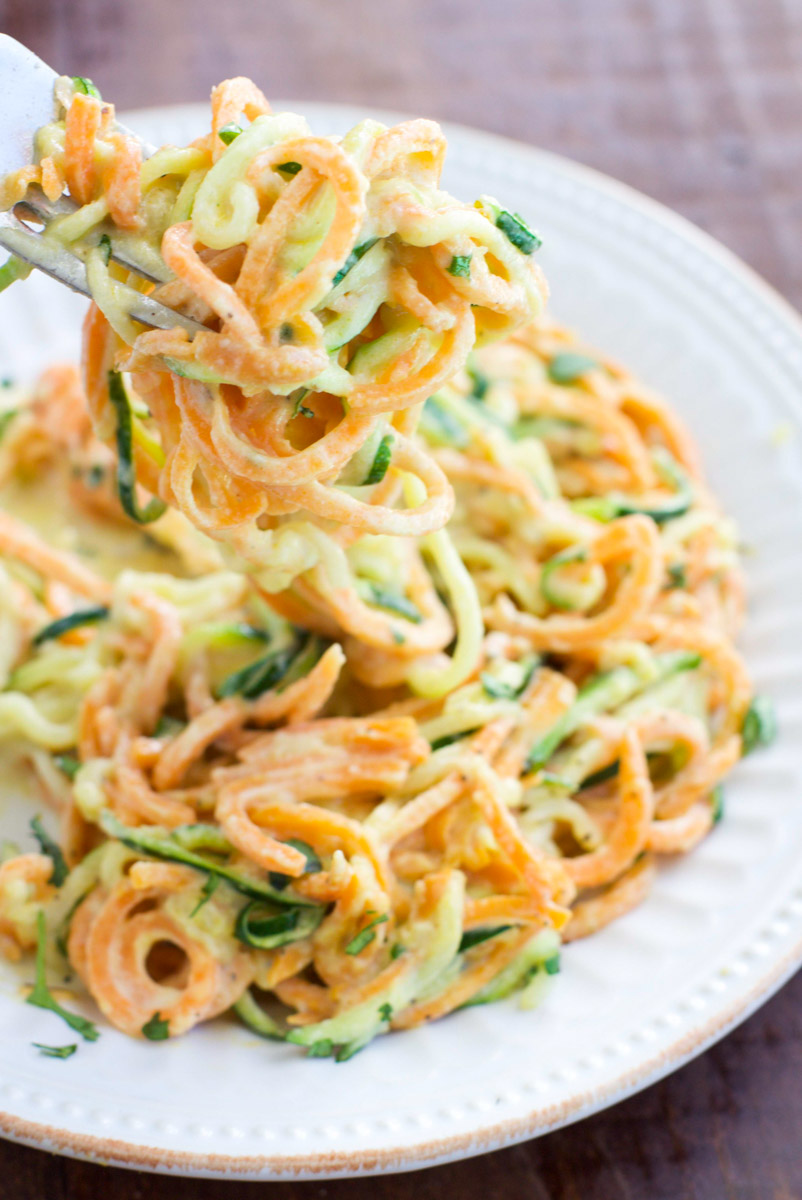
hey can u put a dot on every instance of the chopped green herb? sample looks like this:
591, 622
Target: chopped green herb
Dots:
321, 1049
760, 725
396, 603
264, 926
352, 259
210, 886
56, 1051
52, 850
397, 637
717, 803
41, 996
105, 248
386, 1011
677, 577
286, 333
5, 420
475, 937
516, 230
396, 950
95, 475
253, 930
569, 366
480, 383
313, 863
448, 739
601, 776
156, 1029
68, 763
260, 676
381, 461
499, 689
366, 935
300, 409
229, 132
82, 84
460, 266
126, 473
552, 965
289, 168
56, 629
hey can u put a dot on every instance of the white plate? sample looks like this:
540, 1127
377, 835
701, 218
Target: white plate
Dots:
723, 928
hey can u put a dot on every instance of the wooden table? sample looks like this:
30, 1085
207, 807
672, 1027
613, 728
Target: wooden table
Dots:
698, 103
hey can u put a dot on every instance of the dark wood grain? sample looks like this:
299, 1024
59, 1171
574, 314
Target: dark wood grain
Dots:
696, 102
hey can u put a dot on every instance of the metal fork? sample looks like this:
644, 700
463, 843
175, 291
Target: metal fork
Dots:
26, 103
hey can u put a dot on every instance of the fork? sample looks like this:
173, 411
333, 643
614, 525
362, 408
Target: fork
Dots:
26, 103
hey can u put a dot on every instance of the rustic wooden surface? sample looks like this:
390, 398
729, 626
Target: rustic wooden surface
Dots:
696, 102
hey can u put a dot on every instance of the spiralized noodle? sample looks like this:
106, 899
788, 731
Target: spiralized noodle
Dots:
424, 655
392, 787
336, 285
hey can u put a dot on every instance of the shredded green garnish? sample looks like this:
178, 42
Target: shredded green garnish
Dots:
289, 168
56, 1051
480, 384
381, 461
352, 259
717, 803
260, 676
68, 763
760, 725
286, 333
396, 603
677, 577
56, 629
105, 247
41, 996
569, 366
475, 937
321, 1049
229, 132
448, 739
126, 473
460, 266
156, 1029
82, 84
552, 965
386, 1012
313, 863
365, 935
52, 850
210, 886
516, 230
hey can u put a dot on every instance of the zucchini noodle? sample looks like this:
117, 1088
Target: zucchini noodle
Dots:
352, 769
320, 270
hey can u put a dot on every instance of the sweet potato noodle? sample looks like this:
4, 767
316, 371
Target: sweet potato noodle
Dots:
395, 788
337, 287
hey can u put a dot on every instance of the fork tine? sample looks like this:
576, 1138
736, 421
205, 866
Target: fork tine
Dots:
124, 248
57, 262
